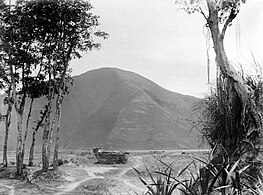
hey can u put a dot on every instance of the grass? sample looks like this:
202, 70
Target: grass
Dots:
161, 181
202, 177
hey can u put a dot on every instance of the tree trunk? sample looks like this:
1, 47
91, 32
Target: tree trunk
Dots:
31, 151
19, 145
11, 101
27, 125
54, 121
46, 136
32, 147
236, 81
45, 140
55, 157
7, 126
235, 91
221, 58
20, 111
61, 88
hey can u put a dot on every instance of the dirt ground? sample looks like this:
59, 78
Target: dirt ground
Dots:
81, 175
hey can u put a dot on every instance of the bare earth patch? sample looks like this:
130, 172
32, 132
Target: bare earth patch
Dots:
81, 175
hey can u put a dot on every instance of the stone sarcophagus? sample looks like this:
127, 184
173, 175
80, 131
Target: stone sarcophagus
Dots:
110, 157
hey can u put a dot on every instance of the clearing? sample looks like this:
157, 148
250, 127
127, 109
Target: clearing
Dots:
81, 175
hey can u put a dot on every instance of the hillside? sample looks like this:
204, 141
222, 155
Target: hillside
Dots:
122, 110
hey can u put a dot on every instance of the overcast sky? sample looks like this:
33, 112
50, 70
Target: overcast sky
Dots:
153, 39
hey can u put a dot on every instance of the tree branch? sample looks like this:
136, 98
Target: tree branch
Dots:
201, 11
230, 18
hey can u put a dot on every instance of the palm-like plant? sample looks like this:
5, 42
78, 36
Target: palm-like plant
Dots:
226, 121
222, 177
162, 182
214, 177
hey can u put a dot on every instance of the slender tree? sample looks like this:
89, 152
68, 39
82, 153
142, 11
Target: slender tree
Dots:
21, 57
39, 123
25, 62
77, 28
5, 86
232, 114
37, 88
7, 71
43, 36
62, 28
219, 15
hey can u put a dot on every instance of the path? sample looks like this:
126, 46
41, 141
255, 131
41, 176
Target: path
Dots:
119, 180
91, 172
126, 183
8, 188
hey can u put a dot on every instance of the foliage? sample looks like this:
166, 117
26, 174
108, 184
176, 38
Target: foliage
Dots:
37, 34
37, 41
223, 121
19, 57
162, 181
225, 7
225, 177
221, 111
201, 176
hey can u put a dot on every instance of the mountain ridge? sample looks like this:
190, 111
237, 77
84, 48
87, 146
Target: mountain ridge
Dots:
124, 91
119, 109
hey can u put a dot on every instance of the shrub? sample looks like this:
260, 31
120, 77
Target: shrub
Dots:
162, 182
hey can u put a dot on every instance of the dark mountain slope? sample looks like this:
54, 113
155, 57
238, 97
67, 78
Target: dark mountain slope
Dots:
120, 109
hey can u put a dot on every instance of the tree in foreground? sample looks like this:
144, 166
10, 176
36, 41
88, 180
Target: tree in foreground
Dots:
232, 114
19, 59
38, 40
63, 28
231, 118
6, 77
234, 96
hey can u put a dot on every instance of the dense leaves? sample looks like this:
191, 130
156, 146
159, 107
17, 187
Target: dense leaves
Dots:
223, 120
37, 41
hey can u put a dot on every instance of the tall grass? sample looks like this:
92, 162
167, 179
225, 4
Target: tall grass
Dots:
161, 181
203, 177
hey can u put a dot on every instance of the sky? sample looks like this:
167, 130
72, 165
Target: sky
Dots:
167, 46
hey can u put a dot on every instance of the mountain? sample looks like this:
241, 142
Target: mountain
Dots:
118, 109
121, 109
